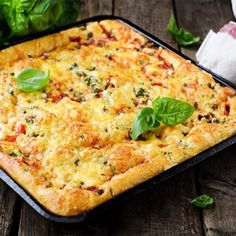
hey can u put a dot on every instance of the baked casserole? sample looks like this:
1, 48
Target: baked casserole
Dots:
69, 144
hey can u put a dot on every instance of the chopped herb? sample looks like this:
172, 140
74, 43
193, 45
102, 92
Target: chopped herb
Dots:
142, 62
105, 162
140, 92
104, 109
89, 35
73, 66
12, 92
34, 134
77, 162
94, 83
92, 68
12, 73
30, 119
13, 154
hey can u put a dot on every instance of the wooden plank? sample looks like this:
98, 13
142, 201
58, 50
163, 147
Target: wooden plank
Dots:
95, 7
217, 176
31, 223
96, 227
165, 210
7, 207
152, 15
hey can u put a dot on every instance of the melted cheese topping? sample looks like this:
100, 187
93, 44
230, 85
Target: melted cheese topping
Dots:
76, 131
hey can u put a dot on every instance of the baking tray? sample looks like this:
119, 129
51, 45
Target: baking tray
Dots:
143, 186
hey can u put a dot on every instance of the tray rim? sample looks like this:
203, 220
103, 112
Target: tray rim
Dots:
148, 184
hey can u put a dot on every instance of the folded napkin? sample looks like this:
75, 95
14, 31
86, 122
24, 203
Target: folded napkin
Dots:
234, 7
218, 52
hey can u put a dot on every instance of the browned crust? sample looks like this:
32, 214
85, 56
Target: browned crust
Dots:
77, 201
36, 47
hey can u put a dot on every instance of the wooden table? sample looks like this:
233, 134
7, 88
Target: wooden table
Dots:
164, 210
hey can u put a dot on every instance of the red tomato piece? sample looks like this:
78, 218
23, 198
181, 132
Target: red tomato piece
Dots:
11, 138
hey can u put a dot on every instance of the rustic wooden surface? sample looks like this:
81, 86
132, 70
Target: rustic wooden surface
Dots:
165, 209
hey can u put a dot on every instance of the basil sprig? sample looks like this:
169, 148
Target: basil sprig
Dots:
144, 121
202, 201
31, 80
182, 36
167, 110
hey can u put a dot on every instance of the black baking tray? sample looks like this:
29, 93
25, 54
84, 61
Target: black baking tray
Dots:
143, 186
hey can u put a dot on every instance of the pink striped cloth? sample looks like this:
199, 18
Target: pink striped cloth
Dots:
230, 29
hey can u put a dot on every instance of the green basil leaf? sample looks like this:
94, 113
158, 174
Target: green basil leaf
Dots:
172, 27
15, 13
45, 14
171, 111
144, 121
23, 17
182, 36
31, 80
202, 201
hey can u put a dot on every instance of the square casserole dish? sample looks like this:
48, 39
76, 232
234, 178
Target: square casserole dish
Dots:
67, 150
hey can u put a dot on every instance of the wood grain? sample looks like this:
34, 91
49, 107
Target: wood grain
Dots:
216, 177
165, 210
151, 15
32, 224
7, 207
95, 7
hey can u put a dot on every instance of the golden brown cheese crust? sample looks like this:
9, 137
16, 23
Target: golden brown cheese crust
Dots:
69, 144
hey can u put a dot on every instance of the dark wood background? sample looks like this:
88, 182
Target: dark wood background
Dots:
165, 209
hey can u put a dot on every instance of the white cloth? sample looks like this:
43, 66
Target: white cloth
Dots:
218, 53
234, 7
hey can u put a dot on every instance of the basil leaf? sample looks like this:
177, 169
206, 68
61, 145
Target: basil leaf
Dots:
144, 121
45, 14
31, 80
23, 17
202, 201
15, 15
182, 36
171, 111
